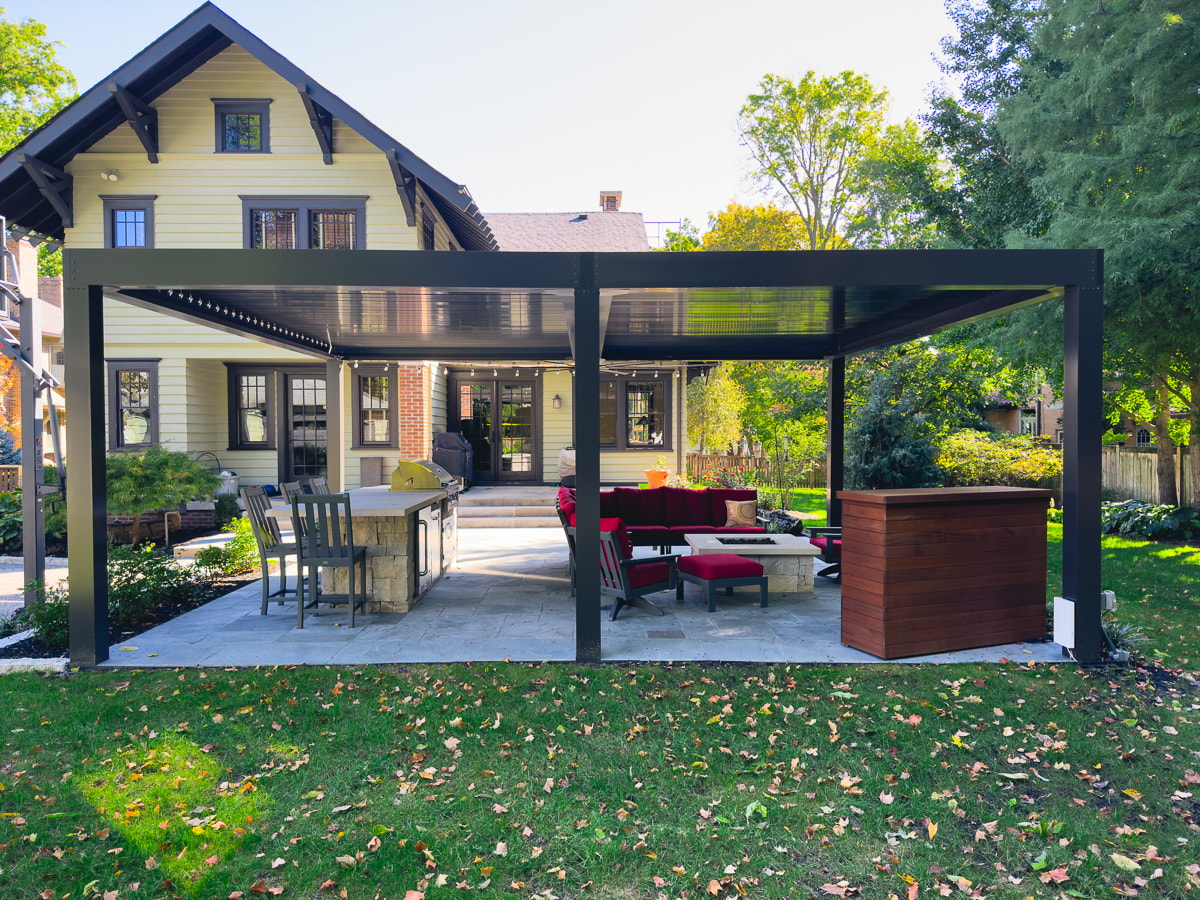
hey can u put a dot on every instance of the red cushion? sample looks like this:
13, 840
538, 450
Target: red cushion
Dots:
717, 513
568, 508
623, 539
685, 506
821, 542
640, 506
718, 566
608, 504
650, 573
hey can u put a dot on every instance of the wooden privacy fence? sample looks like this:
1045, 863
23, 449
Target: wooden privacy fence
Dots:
1132, 473
10, 478
700, 465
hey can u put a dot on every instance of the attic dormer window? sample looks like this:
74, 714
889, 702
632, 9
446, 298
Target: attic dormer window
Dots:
243, 126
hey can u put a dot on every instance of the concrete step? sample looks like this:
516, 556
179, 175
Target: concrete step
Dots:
483, 502
509, 522
484, 512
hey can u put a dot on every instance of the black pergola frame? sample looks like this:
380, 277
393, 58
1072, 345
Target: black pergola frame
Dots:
610, 306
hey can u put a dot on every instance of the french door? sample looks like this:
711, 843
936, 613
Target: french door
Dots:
305, 427
498, 418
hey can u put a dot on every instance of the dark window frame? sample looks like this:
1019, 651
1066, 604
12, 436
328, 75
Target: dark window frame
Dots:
114, 204
303, 207
393, 409
622, 383
116, 433
261, 107
235, 373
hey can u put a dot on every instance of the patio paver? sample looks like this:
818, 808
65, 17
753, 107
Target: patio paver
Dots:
509, 598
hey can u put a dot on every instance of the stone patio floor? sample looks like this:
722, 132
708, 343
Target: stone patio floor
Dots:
509, 598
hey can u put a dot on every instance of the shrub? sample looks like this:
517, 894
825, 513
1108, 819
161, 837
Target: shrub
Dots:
1155, 522
47, 615
238, 556
156, 479
140, 578
226, 509
971, 458
11, 522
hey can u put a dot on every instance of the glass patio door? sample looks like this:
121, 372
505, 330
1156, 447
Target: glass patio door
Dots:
497, 417
305, 429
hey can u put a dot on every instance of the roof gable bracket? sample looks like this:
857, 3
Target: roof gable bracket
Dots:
140, 116
406, 187
321, 121
54, 183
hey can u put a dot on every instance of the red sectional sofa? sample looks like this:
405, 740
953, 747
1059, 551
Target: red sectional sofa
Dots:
660, 517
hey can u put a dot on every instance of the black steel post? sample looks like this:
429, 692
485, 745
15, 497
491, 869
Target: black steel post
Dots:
836, 450
1083, 326
587, 461
87, 507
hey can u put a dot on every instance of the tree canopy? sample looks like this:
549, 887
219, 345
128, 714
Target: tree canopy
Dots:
33, 85
763, 227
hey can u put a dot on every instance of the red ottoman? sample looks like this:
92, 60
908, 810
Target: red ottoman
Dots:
714, 570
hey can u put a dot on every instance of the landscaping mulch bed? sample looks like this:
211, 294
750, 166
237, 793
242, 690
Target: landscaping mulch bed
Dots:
32, 648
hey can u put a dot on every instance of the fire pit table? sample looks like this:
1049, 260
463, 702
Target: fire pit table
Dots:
787, 560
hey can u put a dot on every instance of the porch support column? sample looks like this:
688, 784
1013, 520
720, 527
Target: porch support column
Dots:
335, 424
1083, 328
587, 461
835, 454
87, 507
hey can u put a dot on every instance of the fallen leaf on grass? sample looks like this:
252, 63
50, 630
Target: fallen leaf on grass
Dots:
1124, 862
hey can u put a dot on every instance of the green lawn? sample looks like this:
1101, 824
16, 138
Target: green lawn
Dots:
1006, 780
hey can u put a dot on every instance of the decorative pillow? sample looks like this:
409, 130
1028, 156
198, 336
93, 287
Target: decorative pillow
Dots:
740, 512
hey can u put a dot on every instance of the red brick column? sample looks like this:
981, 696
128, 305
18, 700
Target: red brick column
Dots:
415, 398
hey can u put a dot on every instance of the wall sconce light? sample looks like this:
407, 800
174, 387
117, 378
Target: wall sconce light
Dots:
556, 402
111, 174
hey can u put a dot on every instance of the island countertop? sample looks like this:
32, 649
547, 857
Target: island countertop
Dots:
379, 501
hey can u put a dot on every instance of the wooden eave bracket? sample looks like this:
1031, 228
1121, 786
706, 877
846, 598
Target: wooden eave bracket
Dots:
321, 121
140, 116
406, 187
54, 184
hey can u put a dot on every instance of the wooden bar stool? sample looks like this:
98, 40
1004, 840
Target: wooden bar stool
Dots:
720, 570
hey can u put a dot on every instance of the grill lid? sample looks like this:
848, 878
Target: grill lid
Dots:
423, 475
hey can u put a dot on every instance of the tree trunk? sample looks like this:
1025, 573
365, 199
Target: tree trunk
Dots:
1167, 493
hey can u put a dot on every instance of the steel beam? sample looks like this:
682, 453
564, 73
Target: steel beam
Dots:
586, 406
1083, 425
87, 508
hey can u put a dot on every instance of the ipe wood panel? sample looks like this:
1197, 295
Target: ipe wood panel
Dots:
929, 570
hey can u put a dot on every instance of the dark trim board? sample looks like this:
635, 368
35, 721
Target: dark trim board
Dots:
588, 308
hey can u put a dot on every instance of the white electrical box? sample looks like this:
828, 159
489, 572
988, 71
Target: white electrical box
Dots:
1064, 622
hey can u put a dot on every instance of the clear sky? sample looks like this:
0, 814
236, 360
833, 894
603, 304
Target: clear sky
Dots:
538, 105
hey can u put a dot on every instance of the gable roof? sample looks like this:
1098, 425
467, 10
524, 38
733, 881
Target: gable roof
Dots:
32, 181
576, 232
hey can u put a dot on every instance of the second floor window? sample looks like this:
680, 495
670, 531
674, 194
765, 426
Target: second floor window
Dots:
243, 126
304, 223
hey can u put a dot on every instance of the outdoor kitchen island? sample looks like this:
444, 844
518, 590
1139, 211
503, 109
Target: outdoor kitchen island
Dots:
403, 533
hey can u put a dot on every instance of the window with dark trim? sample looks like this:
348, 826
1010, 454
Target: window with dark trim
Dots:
132, 403
251, 407
304, 223
634, 413
375, 408
128, 221
243, 126
428, 230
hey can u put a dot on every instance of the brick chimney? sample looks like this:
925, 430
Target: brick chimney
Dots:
610, 201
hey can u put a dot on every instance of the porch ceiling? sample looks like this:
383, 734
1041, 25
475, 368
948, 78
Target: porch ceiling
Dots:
385, 305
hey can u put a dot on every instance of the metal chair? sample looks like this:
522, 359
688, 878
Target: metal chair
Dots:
271, 545
627, 580
328, 543
829, 542
569, 531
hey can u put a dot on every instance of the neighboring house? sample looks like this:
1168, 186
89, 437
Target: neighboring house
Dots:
21, 256
1040, 415
209, 139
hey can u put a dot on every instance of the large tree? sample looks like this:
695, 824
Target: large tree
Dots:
33, 85
808, 140
763, 227
1109, 120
